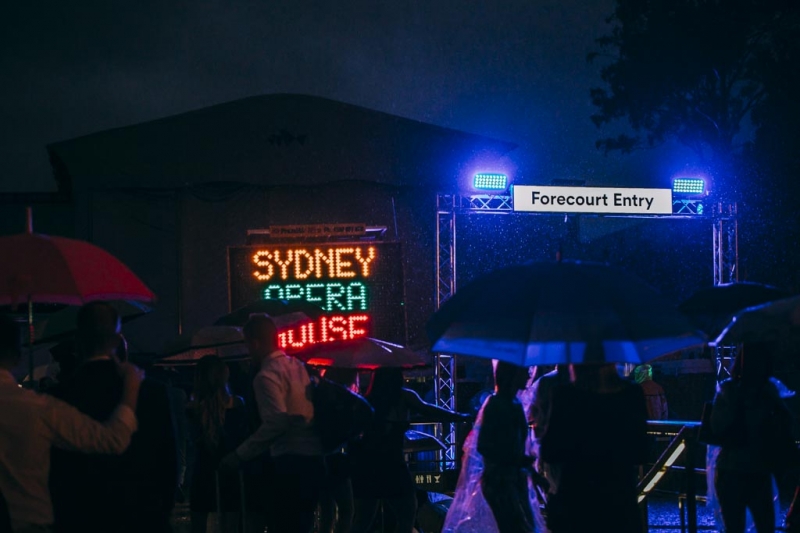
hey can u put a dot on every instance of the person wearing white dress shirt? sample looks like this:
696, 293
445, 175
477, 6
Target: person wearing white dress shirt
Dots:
31, 423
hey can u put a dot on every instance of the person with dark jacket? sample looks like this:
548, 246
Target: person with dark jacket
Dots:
379, 469
755, 426
502, 442
31, 424
133, 492
218, 422
597, 436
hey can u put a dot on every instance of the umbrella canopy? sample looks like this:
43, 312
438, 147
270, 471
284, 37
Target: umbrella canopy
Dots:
711, 308
764, 322
59, 270
565, 312
364, 353
63, 323
272, 307
222, 341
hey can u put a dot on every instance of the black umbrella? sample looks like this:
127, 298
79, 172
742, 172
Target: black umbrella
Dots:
565, 312
766, 322
364, 353
711, 308
222, 341
272, 307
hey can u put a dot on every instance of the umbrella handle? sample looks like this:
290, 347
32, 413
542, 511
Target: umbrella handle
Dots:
30, 341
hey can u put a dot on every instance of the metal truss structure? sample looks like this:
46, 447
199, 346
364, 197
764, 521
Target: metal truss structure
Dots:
448, 206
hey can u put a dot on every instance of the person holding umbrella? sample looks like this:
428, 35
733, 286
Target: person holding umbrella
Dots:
596, 435
31, 423
503, 443
574, 313
379, 469
756, 441
134, 492
218, 425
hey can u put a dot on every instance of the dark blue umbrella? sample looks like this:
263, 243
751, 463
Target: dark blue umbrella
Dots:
561, 312
766, 322
272, 307
711, 308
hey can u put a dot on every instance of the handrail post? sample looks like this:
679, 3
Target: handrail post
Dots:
691, 480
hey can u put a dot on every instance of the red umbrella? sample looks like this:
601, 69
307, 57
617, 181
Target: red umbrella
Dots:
46, 269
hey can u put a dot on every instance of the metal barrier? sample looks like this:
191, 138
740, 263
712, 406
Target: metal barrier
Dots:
683, 443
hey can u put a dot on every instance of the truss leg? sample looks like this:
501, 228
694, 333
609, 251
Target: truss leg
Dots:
726, 245
445, 288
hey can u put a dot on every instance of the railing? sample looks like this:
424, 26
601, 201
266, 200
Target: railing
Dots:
684, 443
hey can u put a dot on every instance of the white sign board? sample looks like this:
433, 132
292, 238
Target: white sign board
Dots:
533, 198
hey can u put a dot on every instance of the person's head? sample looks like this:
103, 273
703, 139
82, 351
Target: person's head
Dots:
509, 378
261, 337
594, 376
98, 330
643, 373
385, 387
754, 362
343, 376
210, 377
64, 353
10, 339
211, 396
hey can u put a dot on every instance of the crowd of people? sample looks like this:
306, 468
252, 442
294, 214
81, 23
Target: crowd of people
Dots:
105, 449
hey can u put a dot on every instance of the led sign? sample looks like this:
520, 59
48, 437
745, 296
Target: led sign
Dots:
359, 285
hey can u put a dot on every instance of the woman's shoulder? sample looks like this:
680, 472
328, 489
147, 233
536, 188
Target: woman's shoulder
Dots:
237, 402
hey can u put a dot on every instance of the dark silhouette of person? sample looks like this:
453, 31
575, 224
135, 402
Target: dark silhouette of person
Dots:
379, 469
653, 393
133, 492
31, 424
64, 354
282, 389
502, 444
5, 517
218, 425
597, 436
336, 501
747, 458
541, 393
170, 378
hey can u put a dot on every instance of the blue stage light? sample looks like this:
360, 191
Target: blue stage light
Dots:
490, 182
689, 185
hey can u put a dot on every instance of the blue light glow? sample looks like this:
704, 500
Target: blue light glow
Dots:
689, 185
490, 182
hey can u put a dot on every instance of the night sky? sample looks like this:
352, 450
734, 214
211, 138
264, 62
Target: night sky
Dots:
511, 69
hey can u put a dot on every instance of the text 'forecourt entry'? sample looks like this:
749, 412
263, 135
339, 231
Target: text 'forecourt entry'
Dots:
531, 198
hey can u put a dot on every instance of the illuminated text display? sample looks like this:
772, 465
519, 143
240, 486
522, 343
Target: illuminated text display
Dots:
359, 285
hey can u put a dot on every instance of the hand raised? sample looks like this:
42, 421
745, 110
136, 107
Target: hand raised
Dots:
131, 374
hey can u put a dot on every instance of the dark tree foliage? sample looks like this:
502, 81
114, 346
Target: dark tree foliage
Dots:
689, 70
721, 77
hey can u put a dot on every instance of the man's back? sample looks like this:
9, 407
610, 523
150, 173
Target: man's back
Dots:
103, 493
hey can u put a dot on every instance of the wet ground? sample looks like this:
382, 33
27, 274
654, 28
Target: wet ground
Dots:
663, 516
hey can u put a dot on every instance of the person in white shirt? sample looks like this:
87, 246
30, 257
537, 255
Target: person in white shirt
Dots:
31, 423
282, 390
